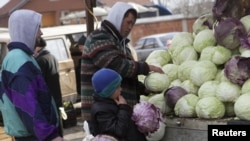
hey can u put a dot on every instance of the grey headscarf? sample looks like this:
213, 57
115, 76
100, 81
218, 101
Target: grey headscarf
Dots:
23, 27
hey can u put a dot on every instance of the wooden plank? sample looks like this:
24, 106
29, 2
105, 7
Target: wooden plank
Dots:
1, 131
3, 136
8, 139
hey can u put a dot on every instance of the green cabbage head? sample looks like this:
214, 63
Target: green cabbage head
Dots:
185, 106
202, 72
228, 91
159, 58
242, 107
208, 88
210, 108
157, 82
171, 70
245, 87
204, 39
185, 68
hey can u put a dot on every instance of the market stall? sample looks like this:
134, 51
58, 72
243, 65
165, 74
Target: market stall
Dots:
207, 75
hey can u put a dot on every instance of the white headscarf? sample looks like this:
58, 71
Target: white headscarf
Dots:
117, 12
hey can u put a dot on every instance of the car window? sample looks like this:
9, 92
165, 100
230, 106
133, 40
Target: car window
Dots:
150, 43
164, 39
140, 43
77, 36
57, 48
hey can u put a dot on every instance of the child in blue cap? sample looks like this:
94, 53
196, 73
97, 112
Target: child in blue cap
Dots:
110, 113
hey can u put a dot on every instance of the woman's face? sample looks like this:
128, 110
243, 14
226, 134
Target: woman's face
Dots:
127, 24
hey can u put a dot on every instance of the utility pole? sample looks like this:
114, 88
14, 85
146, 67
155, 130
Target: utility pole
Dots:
89, 4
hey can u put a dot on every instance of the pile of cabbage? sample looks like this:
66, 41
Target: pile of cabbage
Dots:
207, 71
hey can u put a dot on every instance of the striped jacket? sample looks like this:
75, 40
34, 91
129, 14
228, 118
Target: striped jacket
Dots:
105, 48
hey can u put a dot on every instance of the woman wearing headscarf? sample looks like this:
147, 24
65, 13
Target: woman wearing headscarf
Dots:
107, 47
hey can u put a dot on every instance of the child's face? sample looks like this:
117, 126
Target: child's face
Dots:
80, 47
117, 92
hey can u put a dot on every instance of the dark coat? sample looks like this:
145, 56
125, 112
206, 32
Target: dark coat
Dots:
109, 118
49, 67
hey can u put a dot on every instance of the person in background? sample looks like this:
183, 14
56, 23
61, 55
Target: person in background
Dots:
80, 46
168, 43
107, 47
49, 66
110, 113
28, 109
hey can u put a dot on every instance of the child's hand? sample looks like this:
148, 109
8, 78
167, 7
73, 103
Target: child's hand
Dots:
120, 100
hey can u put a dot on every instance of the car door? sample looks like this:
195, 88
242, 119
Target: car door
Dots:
3, 51
57, 45
4, 40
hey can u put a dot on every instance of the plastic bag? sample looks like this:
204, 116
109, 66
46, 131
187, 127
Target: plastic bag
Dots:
88, 136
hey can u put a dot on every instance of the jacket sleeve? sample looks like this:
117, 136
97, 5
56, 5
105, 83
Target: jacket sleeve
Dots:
106, 52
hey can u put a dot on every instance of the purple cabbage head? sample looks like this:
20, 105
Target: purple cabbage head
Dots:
237, 69
245, 41
228, 33
230, 8
147, 117
203, 22
173, 94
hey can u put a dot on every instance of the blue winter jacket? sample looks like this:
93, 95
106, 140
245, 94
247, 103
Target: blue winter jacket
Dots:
26, 104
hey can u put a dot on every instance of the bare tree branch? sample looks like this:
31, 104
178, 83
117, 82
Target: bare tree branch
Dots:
188, 7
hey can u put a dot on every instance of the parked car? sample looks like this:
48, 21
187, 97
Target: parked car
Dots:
145, 45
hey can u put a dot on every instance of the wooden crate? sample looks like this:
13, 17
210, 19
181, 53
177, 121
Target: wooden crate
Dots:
3, 136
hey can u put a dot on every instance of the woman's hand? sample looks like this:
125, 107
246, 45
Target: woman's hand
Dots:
155, 69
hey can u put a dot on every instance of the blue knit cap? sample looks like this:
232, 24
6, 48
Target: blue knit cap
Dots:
106, 81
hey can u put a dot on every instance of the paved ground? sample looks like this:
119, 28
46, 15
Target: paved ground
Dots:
75, 133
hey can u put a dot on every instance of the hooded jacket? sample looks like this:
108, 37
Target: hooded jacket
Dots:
27, 106
106, 48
